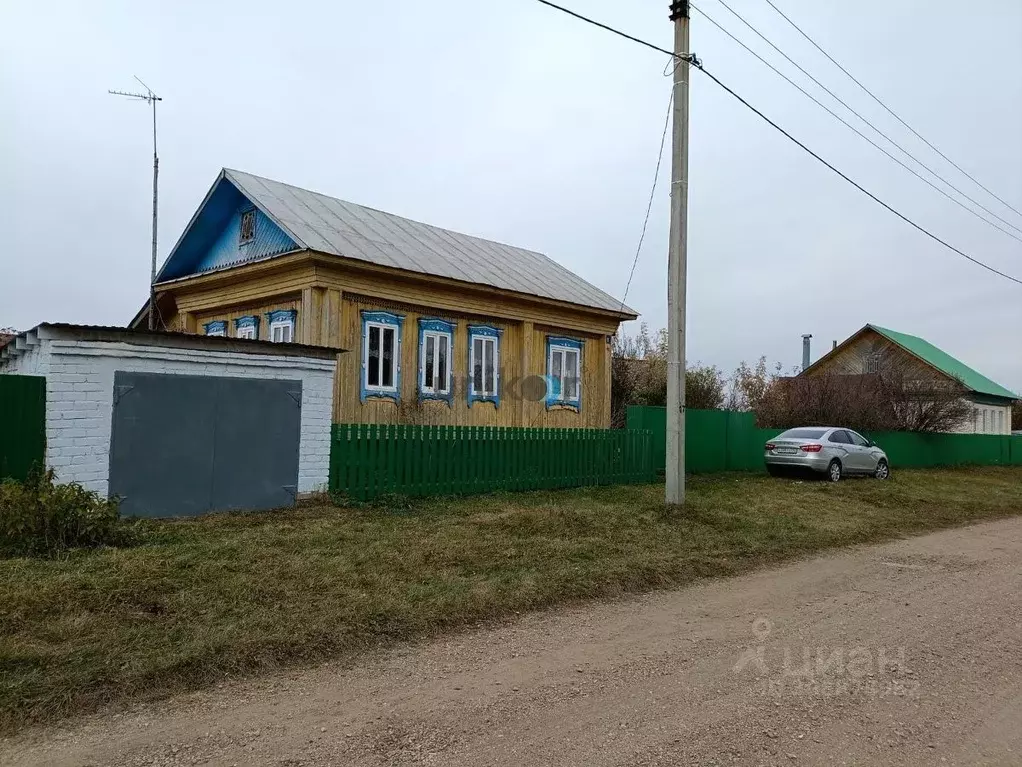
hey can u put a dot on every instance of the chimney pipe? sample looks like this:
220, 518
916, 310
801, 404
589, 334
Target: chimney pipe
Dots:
805, 350
834, 346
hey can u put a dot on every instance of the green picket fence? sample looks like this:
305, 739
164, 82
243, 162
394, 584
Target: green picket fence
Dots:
371, 460
22, 424
721, 440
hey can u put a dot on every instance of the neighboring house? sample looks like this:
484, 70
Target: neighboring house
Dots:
861, 354
444, 328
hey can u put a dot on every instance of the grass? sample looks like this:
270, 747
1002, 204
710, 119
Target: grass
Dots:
225, 595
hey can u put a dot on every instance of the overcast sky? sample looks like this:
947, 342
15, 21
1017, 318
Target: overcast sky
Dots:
511, 121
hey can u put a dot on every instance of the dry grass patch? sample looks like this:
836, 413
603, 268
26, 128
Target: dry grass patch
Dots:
200, 600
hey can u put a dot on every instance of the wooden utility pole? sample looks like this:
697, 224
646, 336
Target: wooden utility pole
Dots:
677, 262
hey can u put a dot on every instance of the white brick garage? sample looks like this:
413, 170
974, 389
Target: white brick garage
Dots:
80, 364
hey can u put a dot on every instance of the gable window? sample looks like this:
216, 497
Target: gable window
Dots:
216, 328
281, 324
564, 372
483, 364
873, 363
248, 224
436, 343
246, 327
381, 355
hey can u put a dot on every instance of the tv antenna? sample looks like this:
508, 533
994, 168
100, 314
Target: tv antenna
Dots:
150, 98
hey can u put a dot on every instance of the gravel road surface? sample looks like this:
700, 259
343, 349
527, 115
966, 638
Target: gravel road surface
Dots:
908, 653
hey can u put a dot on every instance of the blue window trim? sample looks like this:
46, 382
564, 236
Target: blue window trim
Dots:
388, 319
484, 331
553, 398
249, 321
432, 325
282, 314
216, 327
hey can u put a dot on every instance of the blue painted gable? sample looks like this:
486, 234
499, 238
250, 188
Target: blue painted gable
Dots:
213, 238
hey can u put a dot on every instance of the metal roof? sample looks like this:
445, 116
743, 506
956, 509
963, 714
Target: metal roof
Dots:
945, 363
936, 358
115, 334
326, 224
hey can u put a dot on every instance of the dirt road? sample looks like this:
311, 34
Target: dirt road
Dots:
905, 653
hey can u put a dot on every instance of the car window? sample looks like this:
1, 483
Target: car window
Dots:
841, 437
858, 439
802, 434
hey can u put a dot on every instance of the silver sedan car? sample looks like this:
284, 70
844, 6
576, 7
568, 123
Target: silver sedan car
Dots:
834, 452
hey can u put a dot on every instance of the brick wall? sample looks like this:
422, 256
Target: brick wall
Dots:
79, 401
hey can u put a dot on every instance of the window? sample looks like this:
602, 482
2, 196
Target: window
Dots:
840, 437
1000, 422
248, 223
216, 328
873, 363
381, 355
801, 434
564, 372
282, 325
984, 420
246, 327
436, 342
858, 439
484, 364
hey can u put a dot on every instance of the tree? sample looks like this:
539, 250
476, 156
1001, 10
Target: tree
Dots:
1016, 416
639, 376
705, 387
748, 385
900, 396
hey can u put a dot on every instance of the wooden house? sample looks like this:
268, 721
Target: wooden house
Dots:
871, 348
443, 328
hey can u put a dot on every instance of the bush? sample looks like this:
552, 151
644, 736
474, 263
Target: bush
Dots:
41, 518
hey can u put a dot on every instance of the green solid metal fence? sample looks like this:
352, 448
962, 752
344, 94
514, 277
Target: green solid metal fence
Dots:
370, 460
720, 440
22, 424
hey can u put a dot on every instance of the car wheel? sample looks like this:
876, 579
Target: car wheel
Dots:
774, 471
883, 471
834, 470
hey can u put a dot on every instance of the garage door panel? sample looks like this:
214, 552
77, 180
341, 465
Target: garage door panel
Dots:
161, 449
184, 445
257, 437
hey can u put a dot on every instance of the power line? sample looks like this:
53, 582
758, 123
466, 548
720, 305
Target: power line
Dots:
892, 112
601, 25
649, 205
858, 186
858, 132
794, 140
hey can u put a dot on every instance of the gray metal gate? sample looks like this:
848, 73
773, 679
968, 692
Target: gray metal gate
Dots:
184, 445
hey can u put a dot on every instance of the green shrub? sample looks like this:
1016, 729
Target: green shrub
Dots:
41, 518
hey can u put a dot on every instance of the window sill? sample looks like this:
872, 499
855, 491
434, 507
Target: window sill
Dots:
380, 394
573, 406
433, 397
493, 398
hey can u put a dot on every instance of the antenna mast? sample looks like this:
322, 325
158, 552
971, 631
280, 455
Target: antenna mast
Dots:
150, 98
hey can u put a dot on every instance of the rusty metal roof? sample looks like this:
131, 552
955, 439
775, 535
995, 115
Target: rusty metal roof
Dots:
326, 224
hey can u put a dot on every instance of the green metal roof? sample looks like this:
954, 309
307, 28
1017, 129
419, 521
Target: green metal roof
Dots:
945, 363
